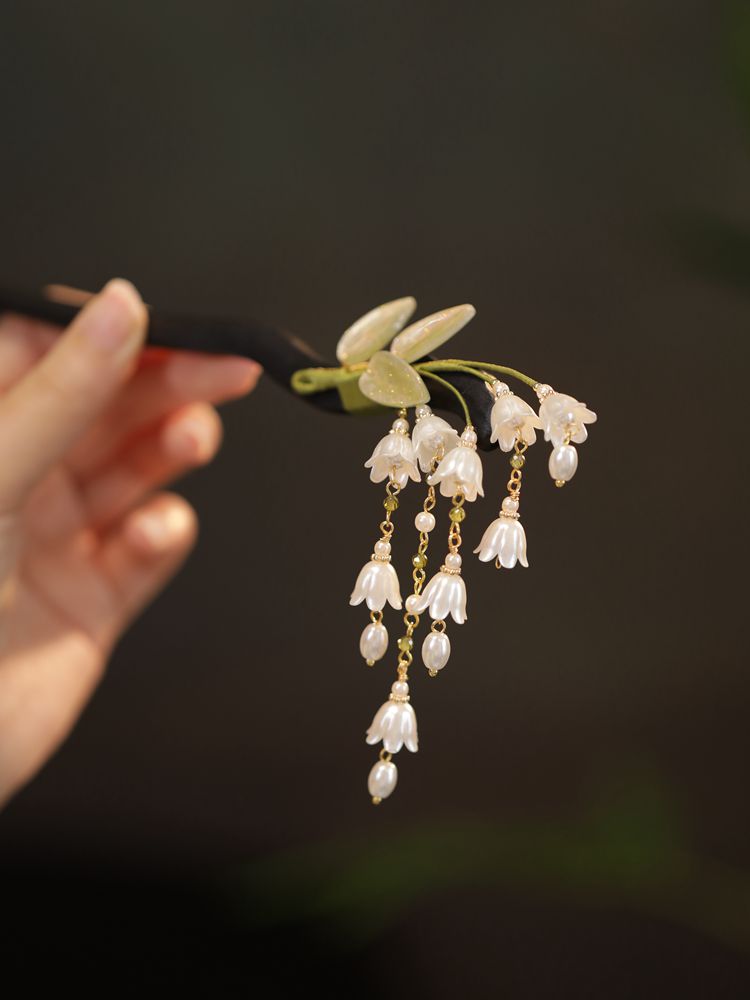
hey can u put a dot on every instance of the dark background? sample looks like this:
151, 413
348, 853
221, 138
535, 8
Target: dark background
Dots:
577, 822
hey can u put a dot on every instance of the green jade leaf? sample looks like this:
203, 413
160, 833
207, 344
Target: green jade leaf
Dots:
392, 382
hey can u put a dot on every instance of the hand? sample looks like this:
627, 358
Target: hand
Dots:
90, 428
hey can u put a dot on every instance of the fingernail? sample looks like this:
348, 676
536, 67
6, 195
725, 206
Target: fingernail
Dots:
158, 531
115, 320
192, 439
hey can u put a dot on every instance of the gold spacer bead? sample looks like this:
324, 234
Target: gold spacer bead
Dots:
518, 461
376, 800
370, 663
390, 503
405, 643
419, 560
559, 483
457, 514
432, 673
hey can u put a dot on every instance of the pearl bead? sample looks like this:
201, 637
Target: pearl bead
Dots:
453, 560
409, 603
424, 521
436, 649
563, 463
382, 779
469, 437
400, 689
382, 549
401, 426
373, 642
510, 506
500, 389
422, 411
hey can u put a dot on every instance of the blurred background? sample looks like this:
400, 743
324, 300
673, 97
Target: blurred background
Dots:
577, 822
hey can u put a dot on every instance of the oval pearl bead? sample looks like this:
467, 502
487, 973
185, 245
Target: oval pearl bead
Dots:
436, 649
424, 521
382, 779
409, 603
563, 462
374, 642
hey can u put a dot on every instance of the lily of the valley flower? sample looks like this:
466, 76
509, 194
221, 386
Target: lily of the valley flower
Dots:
504, 539
395, 722
432, 437
512, 419
445, 594
377, 581
563, 418
393, 457
461, 469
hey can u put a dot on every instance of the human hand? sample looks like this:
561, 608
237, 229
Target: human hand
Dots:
90, 430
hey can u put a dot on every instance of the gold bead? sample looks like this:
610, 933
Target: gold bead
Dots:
518, 461
370, 663
376, 800
432, 673
559, 483
419, 561
405, 643
390, 503
457, 514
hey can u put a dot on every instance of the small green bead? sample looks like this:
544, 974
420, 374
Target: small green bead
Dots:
390, 503
419, 561
457, 514
405, 643
518, 461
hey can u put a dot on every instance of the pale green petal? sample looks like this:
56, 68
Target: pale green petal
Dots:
429, 333
374, 330
391, 382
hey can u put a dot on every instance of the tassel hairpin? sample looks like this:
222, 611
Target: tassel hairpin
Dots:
451, 465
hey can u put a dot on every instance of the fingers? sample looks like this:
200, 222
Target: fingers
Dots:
142, 555
166, 383
53, 404
67, 294
22, 343
188, 438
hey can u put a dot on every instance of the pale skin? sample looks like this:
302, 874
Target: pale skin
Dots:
91, 429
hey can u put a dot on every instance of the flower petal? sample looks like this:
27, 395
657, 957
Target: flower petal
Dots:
427, 334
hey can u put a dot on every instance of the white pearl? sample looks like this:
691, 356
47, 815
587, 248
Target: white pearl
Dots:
400, 689
373, 642
424, 521
382, 779
422, 411
510, 505
501, 389
453, 560
469, 437
436, 649
409, 603
563, 462
401, 426
382, 549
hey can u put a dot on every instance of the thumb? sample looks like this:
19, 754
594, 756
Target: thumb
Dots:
47, 410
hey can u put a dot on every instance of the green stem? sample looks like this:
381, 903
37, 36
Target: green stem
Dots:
452, 388
450, 363
454, 366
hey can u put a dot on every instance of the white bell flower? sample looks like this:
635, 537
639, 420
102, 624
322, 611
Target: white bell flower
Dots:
504, 539
395, 722
445, 594
432, 437
512, 419
461, 469
393, 457
377, 581
564, 419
